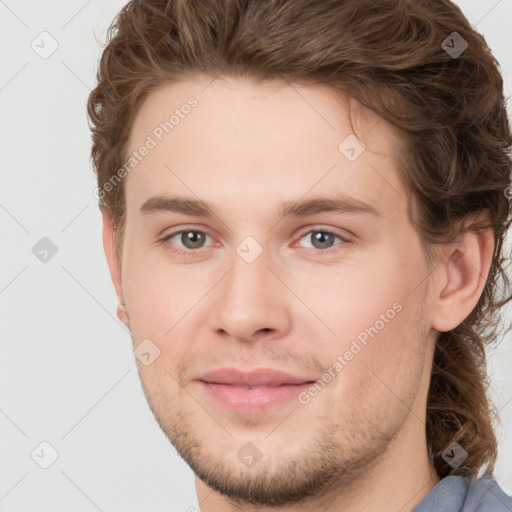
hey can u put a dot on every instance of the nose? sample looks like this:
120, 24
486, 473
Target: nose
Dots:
250, 302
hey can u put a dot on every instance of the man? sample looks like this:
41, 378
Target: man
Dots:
304, 208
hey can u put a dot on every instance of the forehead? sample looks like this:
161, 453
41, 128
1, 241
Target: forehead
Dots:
238, 136
254, 107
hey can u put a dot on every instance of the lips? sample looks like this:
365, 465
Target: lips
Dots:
262, 377
252, 392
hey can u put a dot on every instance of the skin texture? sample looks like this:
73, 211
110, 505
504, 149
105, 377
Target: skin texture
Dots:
247, 149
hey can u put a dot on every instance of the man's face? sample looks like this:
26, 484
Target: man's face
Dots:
231, 298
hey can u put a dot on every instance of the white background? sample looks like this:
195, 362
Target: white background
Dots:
67, 372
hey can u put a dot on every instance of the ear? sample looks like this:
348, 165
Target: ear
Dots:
114, 264
464, 267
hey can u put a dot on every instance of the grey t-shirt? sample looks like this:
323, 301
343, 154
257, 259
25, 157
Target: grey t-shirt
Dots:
463, 494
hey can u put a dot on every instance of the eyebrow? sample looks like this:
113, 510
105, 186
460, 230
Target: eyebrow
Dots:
197, 207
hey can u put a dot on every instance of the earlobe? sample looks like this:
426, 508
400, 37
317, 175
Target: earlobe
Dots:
464, 272
109, 245
122, 315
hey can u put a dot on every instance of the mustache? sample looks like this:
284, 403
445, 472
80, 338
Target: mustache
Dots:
253, 357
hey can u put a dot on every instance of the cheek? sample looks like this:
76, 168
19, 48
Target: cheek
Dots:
374, 312
352, 297
157, 307
156, 296
372, 376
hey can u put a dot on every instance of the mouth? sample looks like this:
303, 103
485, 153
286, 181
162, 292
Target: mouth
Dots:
250, 387
252, 392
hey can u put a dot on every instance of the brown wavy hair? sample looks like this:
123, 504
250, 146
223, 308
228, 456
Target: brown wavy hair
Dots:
387, 54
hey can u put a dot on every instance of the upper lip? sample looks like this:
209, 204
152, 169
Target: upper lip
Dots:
259, 377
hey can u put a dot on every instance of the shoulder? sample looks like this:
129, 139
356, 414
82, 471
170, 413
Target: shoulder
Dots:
484, 494
463, 494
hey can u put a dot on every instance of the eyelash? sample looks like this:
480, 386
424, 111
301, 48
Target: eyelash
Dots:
317, 251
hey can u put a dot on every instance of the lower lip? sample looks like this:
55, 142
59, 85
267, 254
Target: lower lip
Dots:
253, 400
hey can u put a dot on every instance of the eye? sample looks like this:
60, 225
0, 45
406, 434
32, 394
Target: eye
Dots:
322, 239
188, 238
